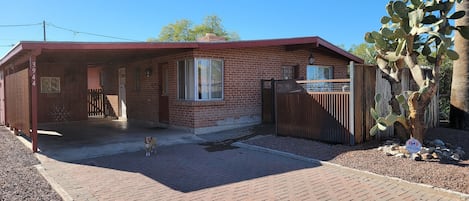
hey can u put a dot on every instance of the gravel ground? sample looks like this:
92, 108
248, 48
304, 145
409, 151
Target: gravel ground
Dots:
453, 176
19, 179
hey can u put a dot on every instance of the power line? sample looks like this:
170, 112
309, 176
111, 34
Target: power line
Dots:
88, 33
20, 25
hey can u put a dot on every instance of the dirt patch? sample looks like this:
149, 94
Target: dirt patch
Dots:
19, 180
453, 176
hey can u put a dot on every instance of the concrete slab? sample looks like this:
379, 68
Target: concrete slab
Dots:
87, 139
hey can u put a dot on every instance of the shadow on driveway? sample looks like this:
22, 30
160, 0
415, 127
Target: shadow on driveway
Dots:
189, 167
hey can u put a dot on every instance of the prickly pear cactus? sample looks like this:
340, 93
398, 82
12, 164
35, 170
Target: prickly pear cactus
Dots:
382, 123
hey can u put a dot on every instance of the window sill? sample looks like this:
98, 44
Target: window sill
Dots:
200, 103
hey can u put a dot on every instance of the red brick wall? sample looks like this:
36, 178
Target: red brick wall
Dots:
243, 70
142, 100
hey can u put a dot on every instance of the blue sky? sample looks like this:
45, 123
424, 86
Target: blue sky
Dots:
340, 22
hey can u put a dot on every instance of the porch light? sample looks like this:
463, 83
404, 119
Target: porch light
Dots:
311, 59
148, 72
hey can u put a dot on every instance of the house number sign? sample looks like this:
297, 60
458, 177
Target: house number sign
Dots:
33, 73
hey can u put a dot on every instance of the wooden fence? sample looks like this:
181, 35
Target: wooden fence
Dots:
327, 110
310, 114
17, 90
337, 110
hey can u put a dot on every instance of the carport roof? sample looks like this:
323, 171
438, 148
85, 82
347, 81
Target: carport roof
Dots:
99, 51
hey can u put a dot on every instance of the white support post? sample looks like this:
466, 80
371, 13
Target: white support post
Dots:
352, 103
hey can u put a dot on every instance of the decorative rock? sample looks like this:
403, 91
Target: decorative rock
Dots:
438, 143
435, 150
400, 155
416, 157
402, 149
455, 157
426, 150
427, 156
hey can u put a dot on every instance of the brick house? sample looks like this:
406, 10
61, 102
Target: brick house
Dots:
199, 86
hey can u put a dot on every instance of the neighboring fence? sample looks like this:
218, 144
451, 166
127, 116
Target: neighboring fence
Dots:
326, 110
305, 109
17, 90
384, 88
96, 102
337, 110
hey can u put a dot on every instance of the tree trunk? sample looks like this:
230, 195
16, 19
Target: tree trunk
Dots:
459, 113
417, 117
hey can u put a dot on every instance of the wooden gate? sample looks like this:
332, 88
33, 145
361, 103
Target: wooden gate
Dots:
268, 104
96, 102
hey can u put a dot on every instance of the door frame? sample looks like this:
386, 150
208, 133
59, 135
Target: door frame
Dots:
122, 114
163, 94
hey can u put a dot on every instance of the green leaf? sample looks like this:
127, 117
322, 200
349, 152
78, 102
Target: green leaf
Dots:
399, 33
416, 2
401, 99
430, 19
457, 15
453, 55
426, 50
381, 125
374, 113
369, 38
400, 8
431, 59
395, 19
386, 32
464, 31
385, 20
374, 130
389, 8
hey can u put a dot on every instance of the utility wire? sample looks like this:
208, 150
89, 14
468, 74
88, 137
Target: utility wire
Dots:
88, 33
20, 25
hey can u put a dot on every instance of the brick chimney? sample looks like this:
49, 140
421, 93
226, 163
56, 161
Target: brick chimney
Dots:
211, 37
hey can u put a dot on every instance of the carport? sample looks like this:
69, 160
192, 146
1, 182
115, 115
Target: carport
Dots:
44, 82
71, 141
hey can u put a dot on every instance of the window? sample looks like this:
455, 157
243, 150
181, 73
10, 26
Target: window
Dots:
290, 72
200, 79
319, 73
50, 84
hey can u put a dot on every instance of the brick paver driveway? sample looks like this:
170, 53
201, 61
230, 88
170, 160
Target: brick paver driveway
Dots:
189, 172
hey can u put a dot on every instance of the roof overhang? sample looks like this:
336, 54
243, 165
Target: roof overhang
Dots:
112, 51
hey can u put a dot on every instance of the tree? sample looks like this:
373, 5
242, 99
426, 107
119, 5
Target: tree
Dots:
413, 28
459, 114
365, 51
183, 30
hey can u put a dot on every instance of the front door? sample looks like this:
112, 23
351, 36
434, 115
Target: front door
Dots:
122, 95
163, 114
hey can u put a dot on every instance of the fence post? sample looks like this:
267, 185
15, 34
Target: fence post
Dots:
273, 113
352, 103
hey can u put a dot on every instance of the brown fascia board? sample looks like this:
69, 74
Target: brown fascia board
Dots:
315, 41
36, 46
338, 50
